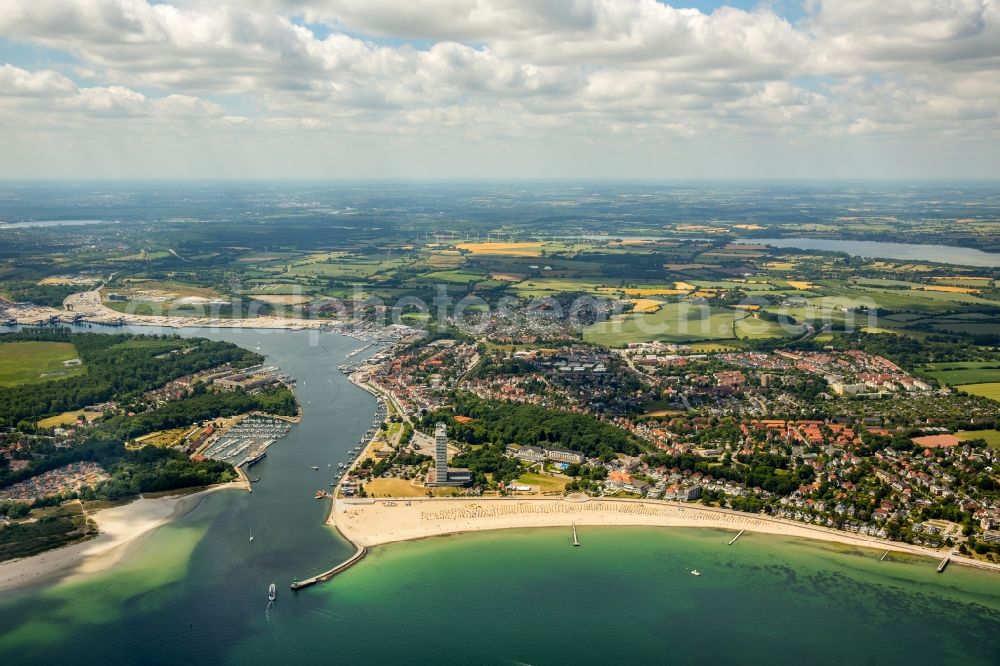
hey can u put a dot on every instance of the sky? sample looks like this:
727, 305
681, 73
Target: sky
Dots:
508, 89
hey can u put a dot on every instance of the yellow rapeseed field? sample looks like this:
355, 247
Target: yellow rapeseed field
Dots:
505, 249
950, 290
645, 305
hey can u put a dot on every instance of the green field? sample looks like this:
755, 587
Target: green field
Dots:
972, 372
33, 362
989, 390
992, 437
680, 322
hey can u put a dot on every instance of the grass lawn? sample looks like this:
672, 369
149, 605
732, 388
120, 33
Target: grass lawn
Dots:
991, 390
67, 418
992, 437
33, 362
544, 482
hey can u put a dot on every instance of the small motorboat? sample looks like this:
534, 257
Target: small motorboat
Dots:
316, 467
695, 572
272, 592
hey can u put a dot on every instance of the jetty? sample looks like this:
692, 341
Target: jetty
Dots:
576, 541
884, 555
943, 564
736, 537
330, 573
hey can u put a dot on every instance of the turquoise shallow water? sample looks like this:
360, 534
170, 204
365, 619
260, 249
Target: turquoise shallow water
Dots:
194, 592
525, 596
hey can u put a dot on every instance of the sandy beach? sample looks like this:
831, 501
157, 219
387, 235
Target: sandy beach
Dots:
372, 522
119, 527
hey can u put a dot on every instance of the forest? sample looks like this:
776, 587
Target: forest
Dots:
511, 423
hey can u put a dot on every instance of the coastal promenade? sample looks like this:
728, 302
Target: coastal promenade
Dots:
371, 522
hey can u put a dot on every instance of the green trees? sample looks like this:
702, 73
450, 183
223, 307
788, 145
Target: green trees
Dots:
507, 423
492, 459
757, 470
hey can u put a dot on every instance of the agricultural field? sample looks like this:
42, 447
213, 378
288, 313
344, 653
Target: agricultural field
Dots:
645, 305
989, 390
34, 362
282, 299
528, 249
969, 372
680, 322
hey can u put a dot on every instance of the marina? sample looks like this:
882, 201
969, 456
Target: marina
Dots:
246, 442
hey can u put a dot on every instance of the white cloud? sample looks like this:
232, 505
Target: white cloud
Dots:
629, 72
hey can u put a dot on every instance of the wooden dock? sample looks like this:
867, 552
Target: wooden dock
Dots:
576, 542
330, 573
943, 564
884, 555
736, 537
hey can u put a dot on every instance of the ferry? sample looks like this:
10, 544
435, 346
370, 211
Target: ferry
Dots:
272, 592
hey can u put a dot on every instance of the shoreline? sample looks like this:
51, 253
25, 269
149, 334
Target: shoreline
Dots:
375, 522
120, 528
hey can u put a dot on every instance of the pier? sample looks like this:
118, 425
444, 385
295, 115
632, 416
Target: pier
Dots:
884, 555
330, 573
576, 542
943, 564
736, 537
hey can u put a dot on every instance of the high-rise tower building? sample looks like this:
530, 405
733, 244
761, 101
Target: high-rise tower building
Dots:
441, 453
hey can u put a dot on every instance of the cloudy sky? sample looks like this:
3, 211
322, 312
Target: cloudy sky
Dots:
499, 88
